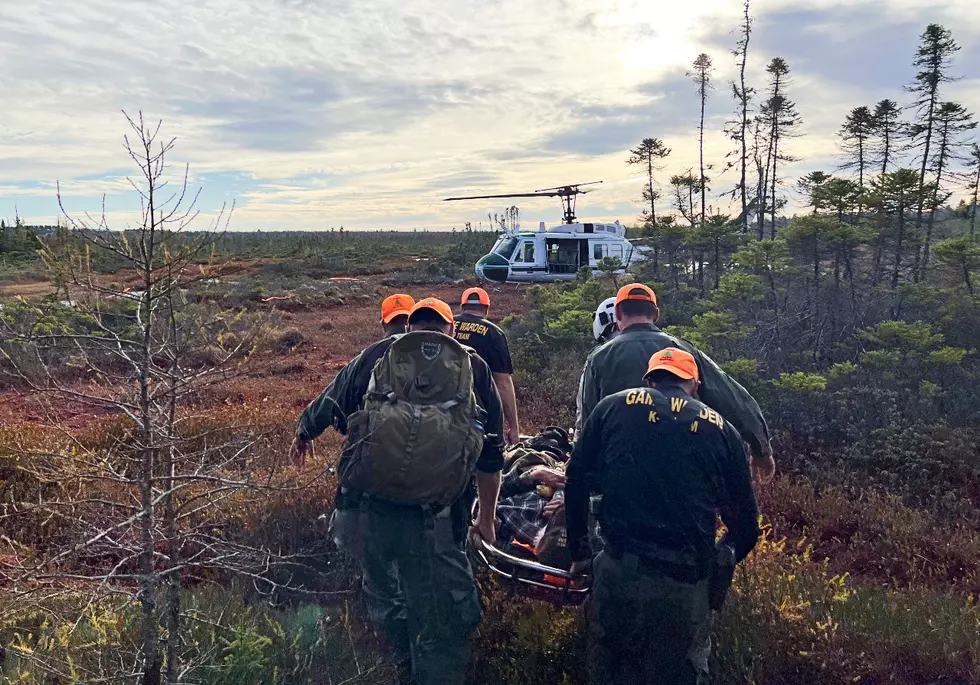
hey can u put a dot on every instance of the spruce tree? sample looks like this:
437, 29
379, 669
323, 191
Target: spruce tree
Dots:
782, 121
889, 130
855, 136
973, 166
932, 62
650, 153
951, 123
738, 130
701, 75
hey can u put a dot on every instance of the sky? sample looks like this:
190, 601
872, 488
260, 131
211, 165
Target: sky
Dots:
312, 114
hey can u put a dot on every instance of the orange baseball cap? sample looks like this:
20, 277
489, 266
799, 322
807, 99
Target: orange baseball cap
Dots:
636, 291
475, 296
678, 362
436, 305
396, 305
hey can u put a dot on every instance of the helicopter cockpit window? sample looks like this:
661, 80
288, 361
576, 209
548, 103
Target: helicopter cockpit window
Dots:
505, 248
527, 254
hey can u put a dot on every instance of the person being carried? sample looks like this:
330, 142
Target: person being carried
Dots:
531, 490
666, 465
472, 328
618, 365
421, 415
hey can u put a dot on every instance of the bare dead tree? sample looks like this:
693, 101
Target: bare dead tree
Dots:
136, 512
738, 129
701, 75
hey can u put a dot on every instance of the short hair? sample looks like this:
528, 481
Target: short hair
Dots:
638, 308
664, 377
474, 307
400, 321
427, 319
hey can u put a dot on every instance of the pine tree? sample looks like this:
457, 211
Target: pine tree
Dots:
963, 255
719, 233
782, 121
888, 131
840, 195
650, 153
973, 165
932, 60
807, 237
896, 195
810, 186
952, 121
760, 159
685, 188
855, 136
702, 78
738, 130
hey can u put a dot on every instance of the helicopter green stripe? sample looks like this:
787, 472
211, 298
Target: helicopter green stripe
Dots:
493, 267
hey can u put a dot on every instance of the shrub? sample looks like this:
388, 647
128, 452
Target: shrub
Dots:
289, 340
802, 382
790, 618
227, 642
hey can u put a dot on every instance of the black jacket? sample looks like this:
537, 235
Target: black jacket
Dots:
665, 465
487, 339
621, 363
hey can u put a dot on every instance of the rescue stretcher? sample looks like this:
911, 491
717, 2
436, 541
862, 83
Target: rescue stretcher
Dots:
517, 570
528, 578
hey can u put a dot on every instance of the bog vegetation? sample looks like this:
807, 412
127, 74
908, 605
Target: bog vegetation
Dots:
166, 540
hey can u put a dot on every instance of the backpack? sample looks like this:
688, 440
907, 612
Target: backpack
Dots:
417, 439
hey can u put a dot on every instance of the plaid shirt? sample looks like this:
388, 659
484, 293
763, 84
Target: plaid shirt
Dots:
521, 514
522, 517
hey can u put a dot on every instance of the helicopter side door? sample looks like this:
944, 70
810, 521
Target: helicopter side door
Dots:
563, 256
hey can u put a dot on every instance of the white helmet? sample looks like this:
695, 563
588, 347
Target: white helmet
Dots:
604, 319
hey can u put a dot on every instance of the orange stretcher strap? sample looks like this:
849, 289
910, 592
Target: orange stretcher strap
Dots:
517, 543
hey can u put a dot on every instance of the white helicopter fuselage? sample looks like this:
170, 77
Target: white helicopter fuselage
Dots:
557, 253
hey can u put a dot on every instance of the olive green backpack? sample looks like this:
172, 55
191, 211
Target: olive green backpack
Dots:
417, 439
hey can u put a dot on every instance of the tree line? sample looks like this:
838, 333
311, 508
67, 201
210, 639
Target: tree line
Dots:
901, 163
17, 240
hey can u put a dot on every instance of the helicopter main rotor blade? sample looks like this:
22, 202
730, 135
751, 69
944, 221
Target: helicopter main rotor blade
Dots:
573, 187
488, 197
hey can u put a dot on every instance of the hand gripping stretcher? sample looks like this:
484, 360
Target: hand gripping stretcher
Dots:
528, 578
517, 570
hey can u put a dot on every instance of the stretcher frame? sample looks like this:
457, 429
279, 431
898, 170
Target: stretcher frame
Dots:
532, 579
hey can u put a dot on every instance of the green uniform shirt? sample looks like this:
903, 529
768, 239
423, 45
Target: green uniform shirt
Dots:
622, 362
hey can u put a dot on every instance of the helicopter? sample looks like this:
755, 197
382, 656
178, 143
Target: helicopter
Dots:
556, 253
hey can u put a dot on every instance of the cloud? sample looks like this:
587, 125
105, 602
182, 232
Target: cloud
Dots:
313, 113
667, 107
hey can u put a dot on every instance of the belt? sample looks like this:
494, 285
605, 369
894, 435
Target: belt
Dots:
648, 565
379, 504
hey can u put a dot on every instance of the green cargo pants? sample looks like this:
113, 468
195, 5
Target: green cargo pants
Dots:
646, 627
419, 588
